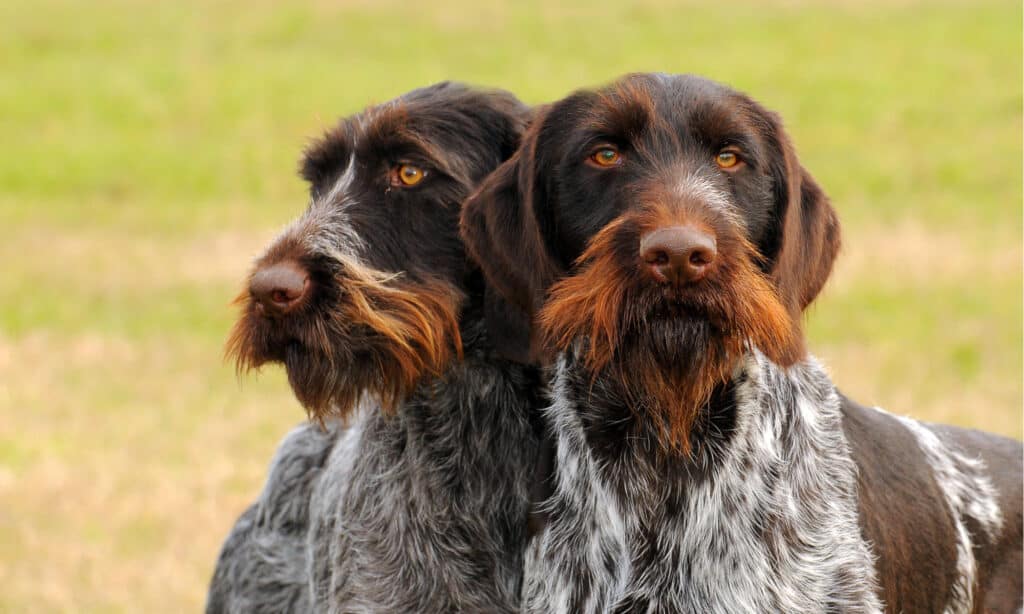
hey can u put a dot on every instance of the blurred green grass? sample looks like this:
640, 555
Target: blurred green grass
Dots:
149, 151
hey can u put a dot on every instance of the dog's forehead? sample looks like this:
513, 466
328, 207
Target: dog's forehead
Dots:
390, 122
681, 104
432, 115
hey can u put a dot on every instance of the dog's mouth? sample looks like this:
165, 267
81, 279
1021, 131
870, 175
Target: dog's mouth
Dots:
666, 347
610, 301
362, 333
665, 304
629, 321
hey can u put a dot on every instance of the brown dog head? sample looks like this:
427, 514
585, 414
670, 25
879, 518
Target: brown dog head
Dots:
361, 295
663, 226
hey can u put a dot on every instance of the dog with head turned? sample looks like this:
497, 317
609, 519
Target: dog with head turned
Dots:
414, 497
666, 239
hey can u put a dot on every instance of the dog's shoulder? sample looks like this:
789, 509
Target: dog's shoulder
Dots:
941, 506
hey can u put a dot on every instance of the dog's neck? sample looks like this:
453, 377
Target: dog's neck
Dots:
623, 438
483, 382
723, 529
453, 466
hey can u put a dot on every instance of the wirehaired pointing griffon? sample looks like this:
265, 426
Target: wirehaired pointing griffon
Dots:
667, 240
368, 300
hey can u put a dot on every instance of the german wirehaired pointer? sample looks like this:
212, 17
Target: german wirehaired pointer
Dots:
667, 239
419, 503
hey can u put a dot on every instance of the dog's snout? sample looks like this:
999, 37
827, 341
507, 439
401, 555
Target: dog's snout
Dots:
280, 288
678, 254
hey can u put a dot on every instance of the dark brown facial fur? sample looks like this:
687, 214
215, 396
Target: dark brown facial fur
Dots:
559, 230
361, 295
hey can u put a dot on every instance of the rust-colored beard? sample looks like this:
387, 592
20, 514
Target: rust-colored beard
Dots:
667, 349
364, 333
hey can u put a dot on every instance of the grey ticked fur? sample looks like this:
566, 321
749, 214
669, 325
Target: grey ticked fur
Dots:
431, 516
770, 525
424, 511
263, 564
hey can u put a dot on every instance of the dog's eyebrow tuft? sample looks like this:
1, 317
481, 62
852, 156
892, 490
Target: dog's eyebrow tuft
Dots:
625, 111
393, 133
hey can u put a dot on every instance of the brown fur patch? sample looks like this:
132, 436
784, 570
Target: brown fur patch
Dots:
627, 109
610, 302
382, 337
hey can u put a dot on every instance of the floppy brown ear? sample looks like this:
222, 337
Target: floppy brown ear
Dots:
500, 229
808, 229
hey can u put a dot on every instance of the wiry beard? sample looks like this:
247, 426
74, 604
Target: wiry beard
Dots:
667, 349
365, 333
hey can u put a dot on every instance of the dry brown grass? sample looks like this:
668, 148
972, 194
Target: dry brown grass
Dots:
125, 506
910, 371
147, 263
908, 252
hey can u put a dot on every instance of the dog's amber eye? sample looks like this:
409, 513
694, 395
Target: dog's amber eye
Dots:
606, 156
727, 159
408, 175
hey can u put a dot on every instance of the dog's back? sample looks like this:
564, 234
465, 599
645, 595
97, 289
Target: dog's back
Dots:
941, 507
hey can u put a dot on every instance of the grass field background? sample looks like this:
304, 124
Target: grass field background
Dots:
147, 152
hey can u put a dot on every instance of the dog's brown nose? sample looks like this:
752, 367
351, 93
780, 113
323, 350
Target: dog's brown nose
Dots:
678, 254
280, 287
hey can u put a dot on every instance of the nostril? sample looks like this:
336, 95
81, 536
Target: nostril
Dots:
282, 296
701, 257
657, 257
